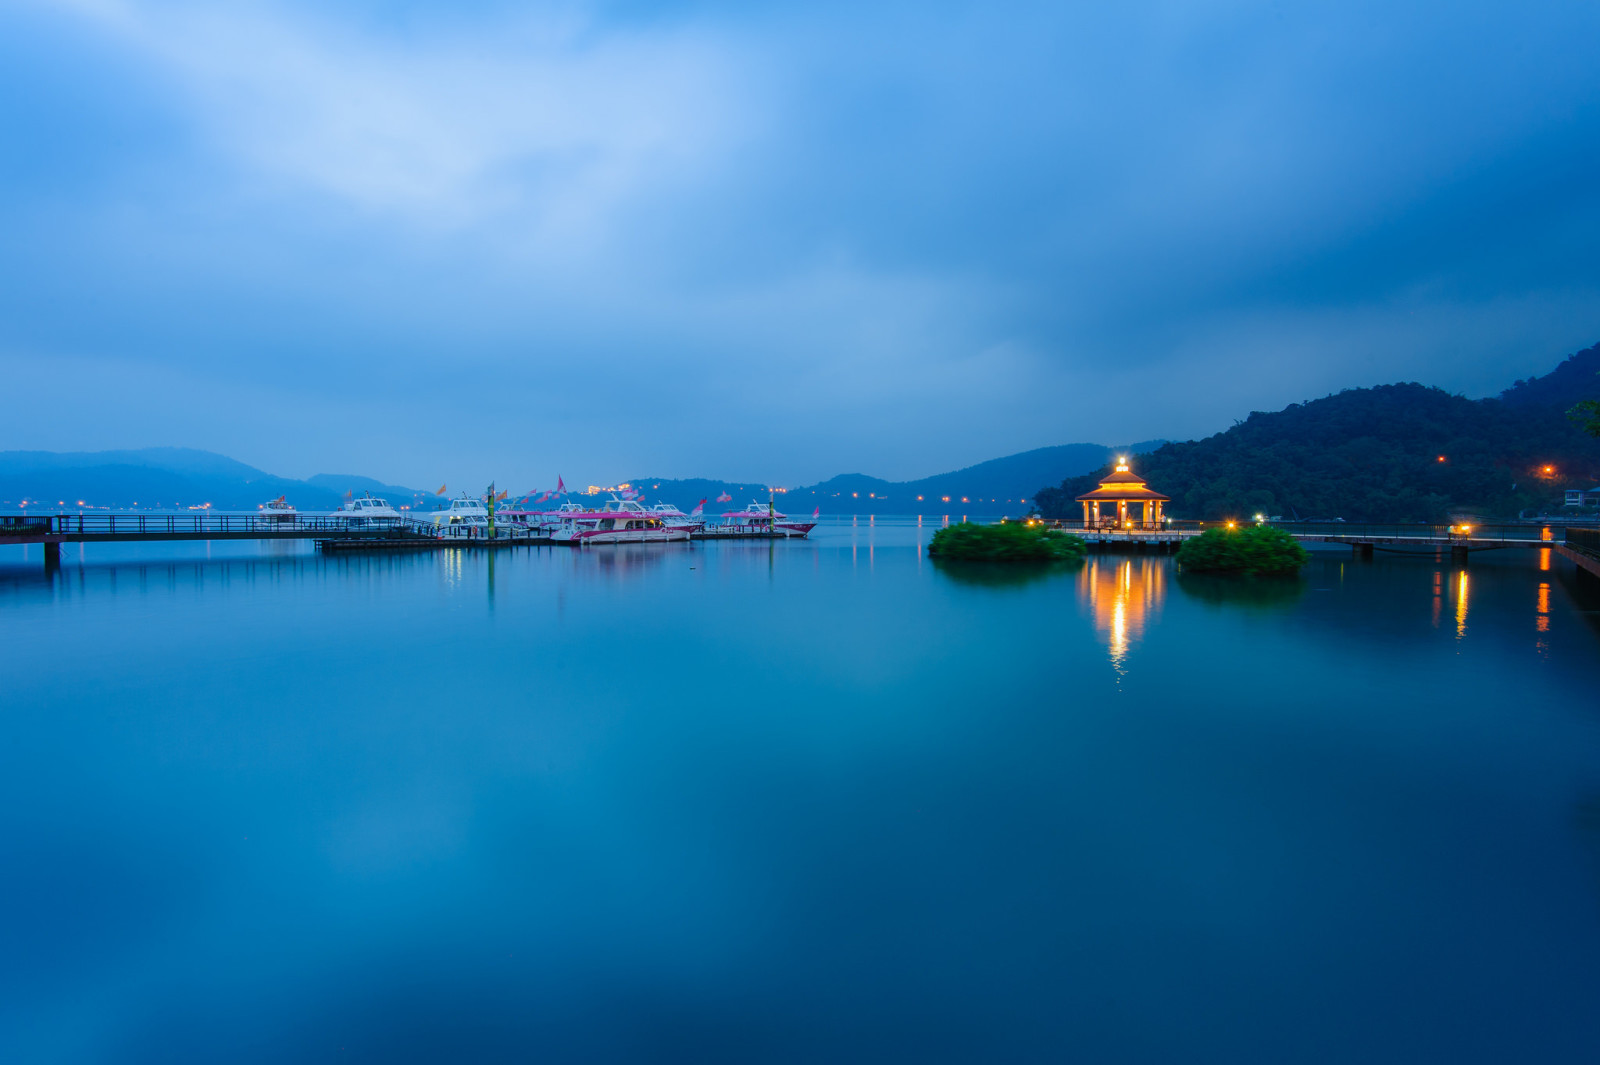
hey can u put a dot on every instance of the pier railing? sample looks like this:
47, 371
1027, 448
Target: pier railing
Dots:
1461, 532
1584, 541
267, 526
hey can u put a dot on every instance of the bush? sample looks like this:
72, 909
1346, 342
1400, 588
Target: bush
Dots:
1007, 542
1257, 550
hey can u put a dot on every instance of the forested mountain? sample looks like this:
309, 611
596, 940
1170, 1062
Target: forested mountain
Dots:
1395, 453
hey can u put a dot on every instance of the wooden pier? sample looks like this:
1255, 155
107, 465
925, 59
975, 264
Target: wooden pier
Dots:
332, 533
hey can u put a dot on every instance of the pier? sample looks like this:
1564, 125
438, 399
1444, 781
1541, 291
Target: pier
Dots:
332, 533
1579, 545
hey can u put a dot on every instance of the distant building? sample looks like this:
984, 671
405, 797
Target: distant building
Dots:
1583, 497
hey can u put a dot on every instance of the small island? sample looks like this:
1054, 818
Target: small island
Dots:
1012, 541
1255, 551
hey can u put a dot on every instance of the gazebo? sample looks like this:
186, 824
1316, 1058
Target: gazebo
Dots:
1122, 487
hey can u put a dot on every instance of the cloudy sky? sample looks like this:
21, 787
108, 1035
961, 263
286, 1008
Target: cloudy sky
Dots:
433, 242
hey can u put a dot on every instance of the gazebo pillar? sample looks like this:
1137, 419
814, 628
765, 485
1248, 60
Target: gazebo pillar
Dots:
1097, 513
1086, 513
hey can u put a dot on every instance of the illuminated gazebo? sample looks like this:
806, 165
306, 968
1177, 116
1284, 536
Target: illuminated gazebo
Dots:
1122, 487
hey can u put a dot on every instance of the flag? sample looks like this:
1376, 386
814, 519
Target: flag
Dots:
440, 492
816, 513
502, 495
630, 493
724, 498
350, 495
283, 499
561, 486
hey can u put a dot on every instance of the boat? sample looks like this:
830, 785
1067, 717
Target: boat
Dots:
464, 512
694, 521
368, 511
278, 511
619, 521
761, 519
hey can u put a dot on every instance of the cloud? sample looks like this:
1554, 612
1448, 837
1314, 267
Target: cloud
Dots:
894, 238
539, 115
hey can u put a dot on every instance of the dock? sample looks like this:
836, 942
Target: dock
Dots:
332, 533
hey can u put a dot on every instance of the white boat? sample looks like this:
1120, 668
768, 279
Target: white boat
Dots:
620, 521
369, 512
761, 519
464, 511
278, 510
674, 518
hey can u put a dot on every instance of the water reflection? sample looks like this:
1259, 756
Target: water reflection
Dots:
1461, 605
1001, 574
1219, 589
1122, 596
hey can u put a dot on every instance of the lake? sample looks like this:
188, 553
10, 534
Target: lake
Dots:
805, 802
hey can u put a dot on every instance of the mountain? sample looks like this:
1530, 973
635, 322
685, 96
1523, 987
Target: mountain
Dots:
167, 478
995, 485
1400, 452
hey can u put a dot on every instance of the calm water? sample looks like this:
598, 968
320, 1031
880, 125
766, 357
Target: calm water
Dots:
817, 802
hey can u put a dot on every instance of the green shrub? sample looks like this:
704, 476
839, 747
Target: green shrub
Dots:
1257, 550
1007, 542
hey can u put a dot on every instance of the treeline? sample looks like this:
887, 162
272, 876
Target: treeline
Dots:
1374, 454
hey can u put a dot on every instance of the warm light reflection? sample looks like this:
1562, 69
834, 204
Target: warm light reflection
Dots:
1544, 559
1461, 604
1122, 594
1438, 596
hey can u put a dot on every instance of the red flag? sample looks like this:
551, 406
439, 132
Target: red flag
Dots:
561, 486
817, 513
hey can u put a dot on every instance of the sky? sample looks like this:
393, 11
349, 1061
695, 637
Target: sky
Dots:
772, 242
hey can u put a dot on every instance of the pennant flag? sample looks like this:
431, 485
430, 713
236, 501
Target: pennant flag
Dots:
502, 495
440, 492
350, 495
283, 499
817, 513
561, 486
724, 498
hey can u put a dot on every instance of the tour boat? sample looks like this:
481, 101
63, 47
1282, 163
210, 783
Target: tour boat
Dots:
762, 519
620, 521
368, 510
278, 510
677, 519
464, 510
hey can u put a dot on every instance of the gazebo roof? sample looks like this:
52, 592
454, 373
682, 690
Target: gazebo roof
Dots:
1133, 492
1123, 484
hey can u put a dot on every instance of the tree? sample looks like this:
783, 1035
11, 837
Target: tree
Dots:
1587, 415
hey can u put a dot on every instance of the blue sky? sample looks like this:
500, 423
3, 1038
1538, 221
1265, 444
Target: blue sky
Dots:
449, 242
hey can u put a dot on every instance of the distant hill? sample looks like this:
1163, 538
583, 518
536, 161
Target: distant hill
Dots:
166, 478
1373, 454
997, 485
